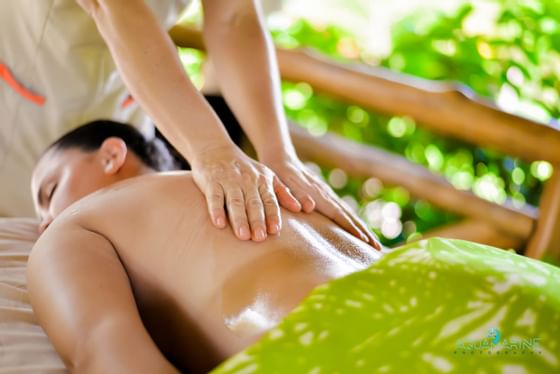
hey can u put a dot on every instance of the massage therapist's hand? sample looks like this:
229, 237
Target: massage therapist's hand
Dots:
249, 190
314, 194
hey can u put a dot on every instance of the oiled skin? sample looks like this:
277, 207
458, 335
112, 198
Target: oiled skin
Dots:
203, 295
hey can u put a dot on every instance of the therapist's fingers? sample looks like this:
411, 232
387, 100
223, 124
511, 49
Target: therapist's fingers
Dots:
247, 188
364, 232
285, 197
307, 202
235, 202
272, 206
255, 214
341, 213
335, 212
362, 227
215, 201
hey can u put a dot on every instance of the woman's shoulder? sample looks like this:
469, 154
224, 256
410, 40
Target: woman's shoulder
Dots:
136, 198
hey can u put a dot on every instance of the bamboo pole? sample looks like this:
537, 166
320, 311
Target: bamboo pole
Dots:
364, 161
546, 238
476, 231
446, 108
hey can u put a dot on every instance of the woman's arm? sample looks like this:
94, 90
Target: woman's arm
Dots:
245, 64
82, 297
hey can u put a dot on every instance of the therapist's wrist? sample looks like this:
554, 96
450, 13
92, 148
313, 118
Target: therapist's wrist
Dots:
274, 156
197, 146
276, 150
210, 150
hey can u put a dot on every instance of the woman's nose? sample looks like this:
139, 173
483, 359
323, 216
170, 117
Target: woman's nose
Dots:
44, 224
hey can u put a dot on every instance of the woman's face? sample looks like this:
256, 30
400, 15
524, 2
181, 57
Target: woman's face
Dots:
62, 177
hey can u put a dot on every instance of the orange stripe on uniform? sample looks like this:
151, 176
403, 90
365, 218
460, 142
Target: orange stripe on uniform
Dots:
7, 75
127, 102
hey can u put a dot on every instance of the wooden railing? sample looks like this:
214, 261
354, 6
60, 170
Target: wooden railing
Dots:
447, 109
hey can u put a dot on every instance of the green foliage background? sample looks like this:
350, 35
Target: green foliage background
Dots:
521, 56
518, 58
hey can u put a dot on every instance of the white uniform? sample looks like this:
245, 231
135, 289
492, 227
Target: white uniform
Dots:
53, 51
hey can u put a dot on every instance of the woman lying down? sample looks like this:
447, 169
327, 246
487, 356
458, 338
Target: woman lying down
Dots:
134, 279
135, 275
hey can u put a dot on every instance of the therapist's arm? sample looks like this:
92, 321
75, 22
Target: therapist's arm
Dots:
151, 69
245, 65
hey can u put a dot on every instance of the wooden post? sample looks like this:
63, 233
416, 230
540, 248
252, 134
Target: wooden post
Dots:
476, 231
546, 239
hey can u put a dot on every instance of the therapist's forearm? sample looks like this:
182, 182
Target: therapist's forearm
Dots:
246, 68
151, 69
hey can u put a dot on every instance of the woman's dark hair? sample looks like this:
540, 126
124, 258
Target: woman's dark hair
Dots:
89, 137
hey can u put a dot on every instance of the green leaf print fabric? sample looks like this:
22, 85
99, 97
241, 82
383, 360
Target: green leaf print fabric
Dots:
438, 305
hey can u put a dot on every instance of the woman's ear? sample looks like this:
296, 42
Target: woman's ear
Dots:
113, 154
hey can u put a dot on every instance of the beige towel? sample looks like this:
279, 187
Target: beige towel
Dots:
24, 347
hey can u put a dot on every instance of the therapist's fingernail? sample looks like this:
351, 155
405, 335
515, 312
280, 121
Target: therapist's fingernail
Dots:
244, 232
220, 222
260, 234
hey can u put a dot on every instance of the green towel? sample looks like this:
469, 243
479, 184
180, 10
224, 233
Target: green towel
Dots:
433, 306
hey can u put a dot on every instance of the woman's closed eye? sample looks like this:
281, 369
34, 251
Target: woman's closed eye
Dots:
51, 193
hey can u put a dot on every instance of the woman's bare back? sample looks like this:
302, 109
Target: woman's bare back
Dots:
202, 294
